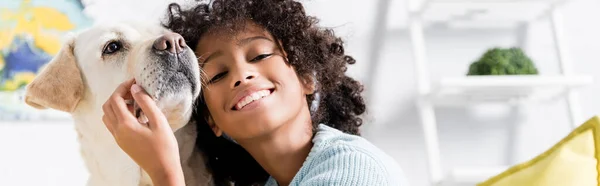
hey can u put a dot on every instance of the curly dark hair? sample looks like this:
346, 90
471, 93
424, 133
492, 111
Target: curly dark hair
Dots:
314, 52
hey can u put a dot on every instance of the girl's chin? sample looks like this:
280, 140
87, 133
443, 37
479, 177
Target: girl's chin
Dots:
256, 127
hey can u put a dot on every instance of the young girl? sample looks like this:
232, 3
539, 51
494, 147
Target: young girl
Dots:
276, 106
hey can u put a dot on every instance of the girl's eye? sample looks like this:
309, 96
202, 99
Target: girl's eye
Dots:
217, 77
261, 57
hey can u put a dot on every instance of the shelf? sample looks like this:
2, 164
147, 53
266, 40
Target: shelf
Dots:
474, 90
471, 175
478, 14
510, 89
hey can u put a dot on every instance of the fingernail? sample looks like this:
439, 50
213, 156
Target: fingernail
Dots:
135, 88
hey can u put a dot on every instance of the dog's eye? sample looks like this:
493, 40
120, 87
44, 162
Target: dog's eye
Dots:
112, 47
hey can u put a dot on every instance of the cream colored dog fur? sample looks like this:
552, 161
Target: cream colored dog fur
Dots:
83, 75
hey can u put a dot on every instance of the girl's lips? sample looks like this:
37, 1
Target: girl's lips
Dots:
246, 92
252, 99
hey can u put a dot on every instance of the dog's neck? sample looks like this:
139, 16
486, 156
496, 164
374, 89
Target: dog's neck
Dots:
101, 152
88, 121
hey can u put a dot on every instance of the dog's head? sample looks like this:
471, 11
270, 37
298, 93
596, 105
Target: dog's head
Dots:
94, 62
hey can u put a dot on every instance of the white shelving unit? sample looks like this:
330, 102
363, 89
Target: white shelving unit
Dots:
467, 90
481, 13
460, 91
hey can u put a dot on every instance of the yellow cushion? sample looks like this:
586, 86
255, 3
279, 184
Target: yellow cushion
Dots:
571, 162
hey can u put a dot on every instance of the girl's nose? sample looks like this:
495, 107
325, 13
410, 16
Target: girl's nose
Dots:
245, 78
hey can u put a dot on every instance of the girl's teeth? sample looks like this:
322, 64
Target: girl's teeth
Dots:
253, 97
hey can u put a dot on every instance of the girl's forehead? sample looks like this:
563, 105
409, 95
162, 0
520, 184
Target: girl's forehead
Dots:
214, 39
222, 40
234, 34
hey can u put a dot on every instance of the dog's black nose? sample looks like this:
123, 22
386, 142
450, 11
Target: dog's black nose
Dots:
171, 42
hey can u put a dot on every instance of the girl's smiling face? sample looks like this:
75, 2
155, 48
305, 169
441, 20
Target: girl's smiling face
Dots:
250, 89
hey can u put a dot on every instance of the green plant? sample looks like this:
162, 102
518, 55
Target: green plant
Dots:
500, 61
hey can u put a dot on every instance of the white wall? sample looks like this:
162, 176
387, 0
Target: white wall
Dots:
392, 122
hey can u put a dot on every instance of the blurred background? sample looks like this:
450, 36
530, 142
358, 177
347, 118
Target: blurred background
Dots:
446, 106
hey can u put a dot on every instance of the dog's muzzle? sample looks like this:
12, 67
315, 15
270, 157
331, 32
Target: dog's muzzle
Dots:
173, 61
172, 43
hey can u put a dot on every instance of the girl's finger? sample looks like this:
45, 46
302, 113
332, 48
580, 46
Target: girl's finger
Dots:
123, 89
121, 111
109, 114
109, 124
148, 106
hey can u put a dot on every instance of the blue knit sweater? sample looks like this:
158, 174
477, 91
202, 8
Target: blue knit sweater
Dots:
340, 159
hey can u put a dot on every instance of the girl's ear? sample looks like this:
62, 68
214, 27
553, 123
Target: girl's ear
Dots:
309, 85
218, 132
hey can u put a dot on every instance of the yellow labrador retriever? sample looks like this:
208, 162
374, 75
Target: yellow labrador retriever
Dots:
88, 69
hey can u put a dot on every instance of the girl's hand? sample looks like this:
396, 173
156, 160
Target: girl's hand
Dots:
153, 145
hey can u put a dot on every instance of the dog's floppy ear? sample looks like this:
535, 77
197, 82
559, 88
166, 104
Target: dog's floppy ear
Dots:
58, 85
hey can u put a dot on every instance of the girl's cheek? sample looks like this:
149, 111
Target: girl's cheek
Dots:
214, 98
